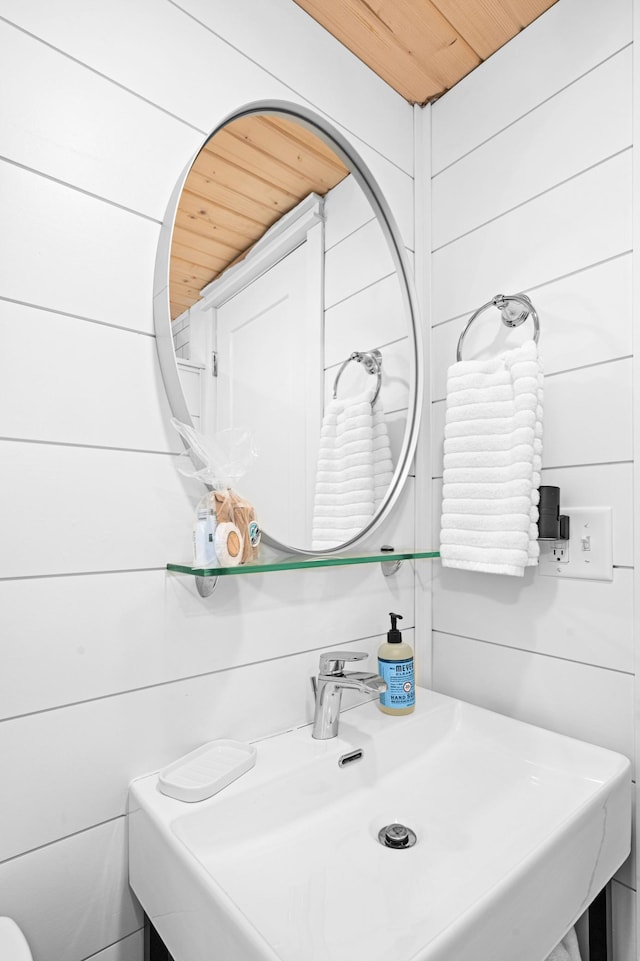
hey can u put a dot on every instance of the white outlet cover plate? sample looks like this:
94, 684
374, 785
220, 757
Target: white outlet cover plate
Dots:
588, 525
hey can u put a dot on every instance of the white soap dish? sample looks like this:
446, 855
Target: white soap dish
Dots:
207, 770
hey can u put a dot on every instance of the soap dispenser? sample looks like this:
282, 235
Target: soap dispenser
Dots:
395, 666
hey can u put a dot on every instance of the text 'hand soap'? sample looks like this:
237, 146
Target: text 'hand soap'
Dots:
395, 666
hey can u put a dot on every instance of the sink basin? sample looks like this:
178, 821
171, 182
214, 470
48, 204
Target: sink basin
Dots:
517, 830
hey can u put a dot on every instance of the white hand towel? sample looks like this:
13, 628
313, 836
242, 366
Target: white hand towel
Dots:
354, 469
492, 463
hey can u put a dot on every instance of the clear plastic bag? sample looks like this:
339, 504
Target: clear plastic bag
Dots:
226, 531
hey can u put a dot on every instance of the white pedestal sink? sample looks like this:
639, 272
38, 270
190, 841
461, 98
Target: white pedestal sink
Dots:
517, 830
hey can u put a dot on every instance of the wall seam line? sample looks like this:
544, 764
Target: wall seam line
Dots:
526, 650
191, 677
547, 283
79, 190
72, 316
63, 443
63, 837
103, 76
533, 109
542, 193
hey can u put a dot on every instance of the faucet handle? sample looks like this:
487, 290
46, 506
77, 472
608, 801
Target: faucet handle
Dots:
333, 661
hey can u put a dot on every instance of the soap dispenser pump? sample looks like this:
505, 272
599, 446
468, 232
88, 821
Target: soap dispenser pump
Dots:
395, 666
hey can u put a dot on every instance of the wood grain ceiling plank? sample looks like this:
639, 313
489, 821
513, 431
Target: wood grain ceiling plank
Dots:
288, 167
207, 245
526, 11
182, 299
293, 145
487, 25
198, 257
223, 196
218, 220
188, 274
184, 294
231, 176
218, 242
406, 42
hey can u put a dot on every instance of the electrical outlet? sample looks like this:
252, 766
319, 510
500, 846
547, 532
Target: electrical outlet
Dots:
589, 551
560, 551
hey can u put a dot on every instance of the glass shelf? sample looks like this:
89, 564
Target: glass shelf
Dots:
297, 562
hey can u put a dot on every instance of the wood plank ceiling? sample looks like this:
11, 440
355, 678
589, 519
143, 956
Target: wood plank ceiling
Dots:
244, 179
258, 168
422, 48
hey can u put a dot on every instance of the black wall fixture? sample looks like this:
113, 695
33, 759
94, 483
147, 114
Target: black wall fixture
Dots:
552, 525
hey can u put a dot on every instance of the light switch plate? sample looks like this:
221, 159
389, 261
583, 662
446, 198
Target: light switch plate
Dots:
589, 551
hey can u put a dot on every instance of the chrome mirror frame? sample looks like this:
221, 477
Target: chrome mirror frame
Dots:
367, 183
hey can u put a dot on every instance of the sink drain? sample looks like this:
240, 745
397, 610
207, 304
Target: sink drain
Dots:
397, 836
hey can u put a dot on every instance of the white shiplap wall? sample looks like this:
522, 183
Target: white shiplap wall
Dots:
531, 191
363, 306
111, 667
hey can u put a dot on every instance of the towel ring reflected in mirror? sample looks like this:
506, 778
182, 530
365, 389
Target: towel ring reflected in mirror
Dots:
371, 360
514, 310
409, 377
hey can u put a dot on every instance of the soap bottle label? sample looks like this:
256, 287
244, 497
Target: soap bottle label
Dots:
401, 690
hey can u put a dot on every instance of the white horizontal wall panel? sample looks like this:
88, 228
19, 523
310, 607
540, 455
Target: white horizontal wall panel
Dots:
590, 703
181, 66
90, 752
193, 73
346, 208
106, 141
552, 143
582, 222
533, 66
369, 318
102, 384
99, 266
585, 318
72, 898
589, 621
587, 415
359, 260
91, 510
135, 629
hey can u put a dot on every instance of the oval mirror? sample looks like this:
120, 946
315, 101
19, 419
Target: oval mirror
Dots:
283, 305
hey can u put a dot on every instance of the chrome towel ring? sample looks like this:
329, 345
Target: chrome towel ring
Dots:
511, 312
371, 361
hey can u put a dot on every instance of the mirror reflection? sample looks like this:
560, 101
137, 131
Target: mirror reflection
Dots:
283, 292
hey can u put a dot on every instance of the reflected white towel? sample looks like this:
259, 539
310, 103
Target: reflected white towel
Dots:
354, 469
492, 463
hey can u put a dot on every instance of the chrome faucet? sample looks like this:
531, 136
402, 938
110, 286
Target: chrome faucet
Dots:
329, 685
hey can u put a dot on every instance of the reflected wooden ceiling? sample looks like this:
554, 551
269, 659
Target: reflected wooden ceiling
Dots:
243, 180
423, 47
